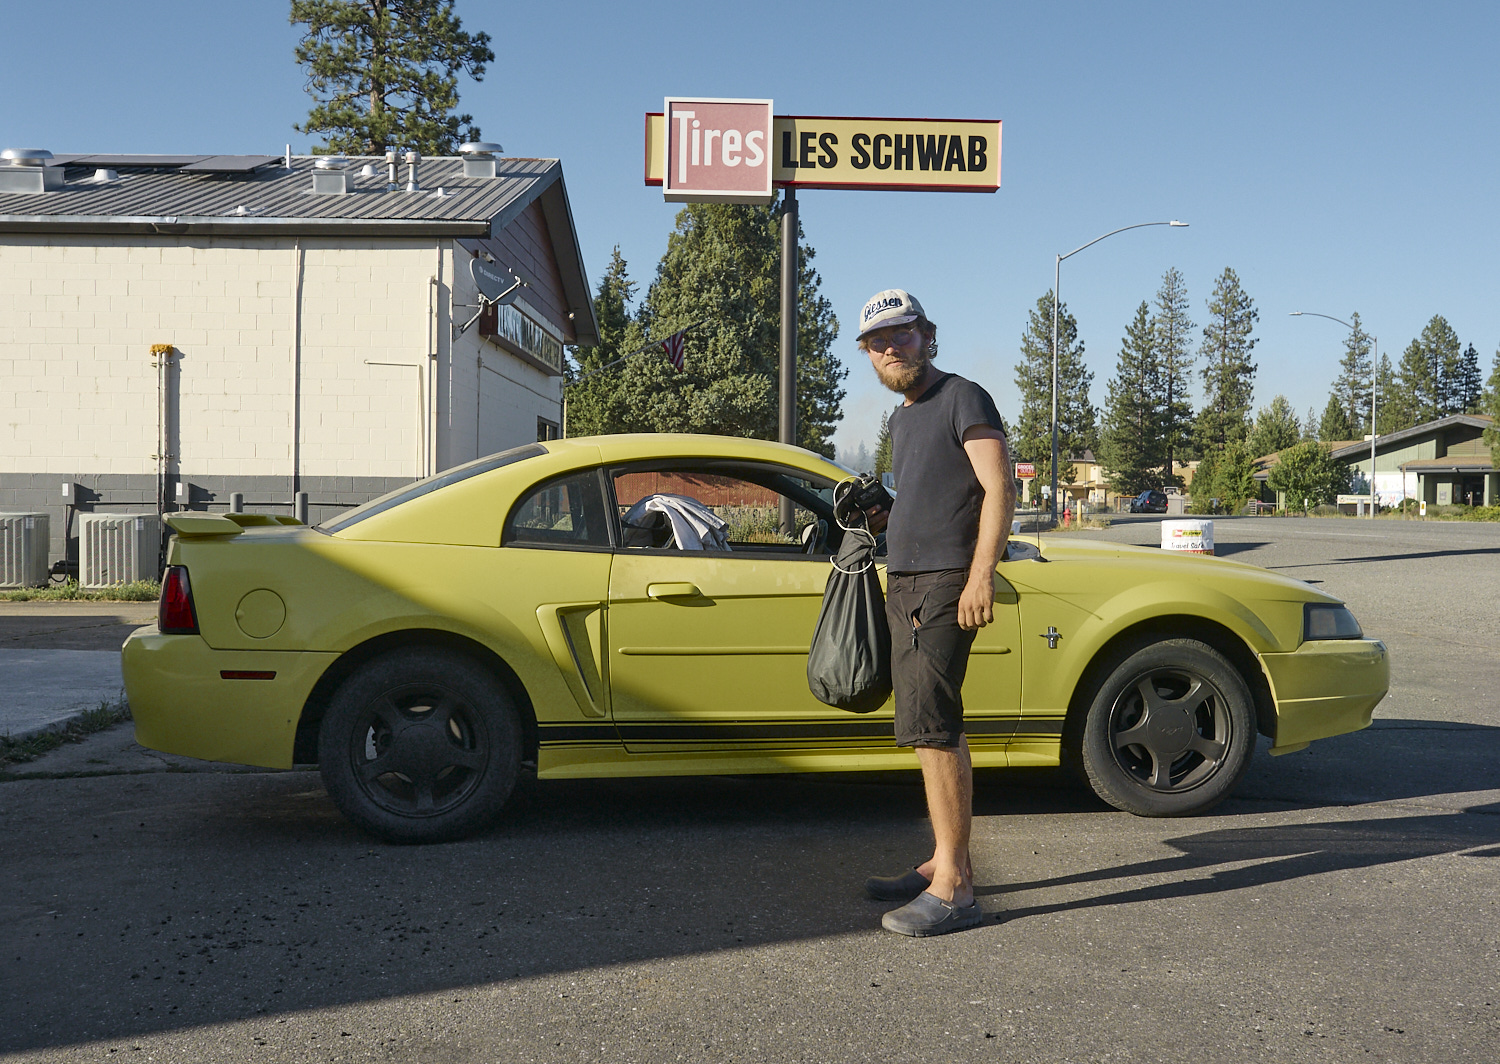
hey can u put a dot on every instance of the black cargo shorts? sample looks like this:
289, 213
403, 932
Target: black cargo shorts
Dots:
929, 656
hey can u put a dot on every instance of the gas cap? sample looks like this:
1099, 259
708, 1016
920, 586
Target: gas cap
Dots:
260, 614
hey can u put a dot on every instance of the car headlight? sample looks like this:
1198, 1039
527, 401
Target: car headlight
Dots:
1327, 620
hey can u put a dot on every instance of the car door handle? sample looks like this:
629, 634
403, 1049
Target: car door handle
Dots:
674, 590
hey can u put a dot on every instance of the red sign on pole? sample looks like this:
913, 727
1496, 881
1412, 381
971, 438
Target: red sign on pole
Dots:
1025, 471
718, 151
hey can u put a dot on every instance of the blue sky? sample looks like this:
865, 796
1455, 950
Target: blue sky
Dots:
1339, 157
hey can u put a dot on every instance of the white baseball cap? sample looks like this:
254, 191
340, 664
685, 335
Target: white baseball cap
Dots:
894, 306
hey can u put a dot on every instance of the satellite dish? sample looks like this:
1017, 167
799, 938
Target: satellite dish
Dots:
495, 284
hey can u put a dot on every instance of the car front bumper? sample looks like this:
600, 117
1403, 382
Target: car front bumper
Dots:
1326, 687
183, 704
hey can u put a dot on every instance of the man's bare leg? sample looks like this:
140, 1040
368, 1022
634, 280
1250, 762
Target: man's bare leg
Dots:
948, 774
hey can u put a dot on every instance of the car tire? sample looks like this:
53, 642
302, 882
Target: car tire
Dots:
420, 745
1170, 730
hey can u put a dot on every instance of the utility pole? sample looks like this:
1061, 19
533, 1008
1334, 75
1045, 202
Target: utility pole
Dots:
788, 426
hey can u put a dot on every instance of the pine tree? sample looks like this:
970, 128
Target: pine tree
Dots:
1416, 395
1077, 422
595, 404
1468, 389
1275, 429
1228, 373
1172, 329
1130, 439
1310, 425
1352, 387
722, 266
1444, 354
883, 446
1392, 410
384, 74
1491, 406
1334, 425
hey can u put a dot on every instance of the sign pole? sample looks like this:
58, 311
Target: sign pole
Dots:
788, 426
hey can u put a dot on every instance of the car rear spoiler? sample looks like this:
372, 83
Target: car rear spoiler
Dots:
201, 525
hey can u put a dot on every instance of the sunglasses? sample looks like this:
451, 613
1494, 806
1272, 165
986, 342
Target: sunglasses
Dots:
896, 338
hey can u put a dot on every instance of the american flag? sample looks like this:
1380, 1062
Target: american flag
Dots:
675, 346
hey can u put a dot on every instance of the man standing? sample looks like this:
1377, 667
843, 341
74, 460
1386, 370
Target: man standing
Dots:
944, 535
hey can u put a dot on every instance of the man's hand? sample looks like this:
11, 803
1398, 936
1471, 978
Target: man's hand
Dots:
976, 606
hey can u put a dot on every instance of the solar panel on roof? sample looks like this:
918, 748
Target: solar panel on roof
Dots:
231, 164
137, 162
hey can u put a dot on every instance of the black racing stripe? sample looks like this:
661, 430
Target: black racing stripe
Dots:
1039, 726
676, 731
550, 733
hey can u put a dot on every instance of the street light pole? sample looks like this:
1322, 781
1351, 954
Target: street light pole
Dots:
1056, 288
1374, 387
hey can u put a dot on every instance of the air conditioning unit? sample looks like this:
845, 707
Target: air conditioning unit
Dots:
117, 548
23, 550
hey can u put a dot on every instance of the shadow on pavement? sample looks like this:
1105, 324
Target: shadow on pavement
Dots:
134, 904
1283, 853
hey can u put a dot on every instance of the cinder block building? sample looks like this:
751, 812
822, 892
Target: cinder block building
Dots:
174, 329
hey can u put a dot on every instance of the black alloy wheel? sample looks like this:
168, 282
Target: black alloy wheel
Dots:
1170, 731
421, 745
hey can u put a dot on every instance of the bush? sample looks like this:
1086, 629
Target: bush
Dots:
1482, 513
135, 591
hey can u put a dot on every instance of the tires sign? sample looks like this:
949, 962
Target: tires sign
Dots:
716, 151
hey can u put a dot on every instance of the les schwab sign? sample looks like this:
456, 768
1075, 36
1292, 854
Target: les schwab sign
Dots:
736, 151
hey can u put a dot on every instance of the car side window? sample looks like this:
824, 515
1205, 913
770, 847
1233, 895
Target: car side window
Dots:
566, 512
664, 509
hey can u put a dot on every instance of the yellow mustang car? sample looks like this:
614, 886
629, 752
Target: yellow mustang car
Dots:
632, 606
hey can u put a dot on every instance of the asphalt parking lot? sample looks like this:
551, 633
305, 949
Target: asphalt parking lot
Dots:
1343, 906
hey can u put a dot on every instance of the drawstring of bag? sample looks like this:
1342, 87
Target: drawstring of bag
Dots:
848, 485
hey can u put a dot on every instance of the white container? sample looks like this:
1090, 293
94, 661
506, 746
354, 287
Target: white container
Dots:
1188, 537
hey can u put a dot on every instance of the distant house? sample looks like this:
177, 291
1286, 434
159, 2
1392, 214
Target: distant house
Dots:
1443, 462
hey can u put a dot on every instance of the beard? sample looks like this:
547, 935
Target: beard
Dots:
904, 375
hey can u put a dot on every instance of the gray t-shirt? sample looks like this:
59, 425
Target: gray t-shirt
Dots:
935, 522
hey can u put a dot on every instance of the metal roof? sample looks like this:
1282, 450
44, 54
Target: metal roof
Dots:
230, 194
257, 195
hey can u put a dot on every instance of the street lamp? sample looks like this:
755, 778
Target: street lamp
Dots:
1056, 285
1374, 370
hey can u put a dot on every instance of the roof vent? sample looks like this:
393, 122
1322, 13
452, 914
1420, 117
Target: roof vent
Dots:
368, 170
479, 157
413, 160
102, 176
25, 170
329, 176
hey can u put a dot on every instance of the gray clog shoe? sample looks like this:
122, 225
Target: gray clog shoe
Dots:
927, 914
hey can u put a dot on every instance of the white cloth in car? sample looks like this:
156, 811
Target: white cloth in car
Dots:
694, 526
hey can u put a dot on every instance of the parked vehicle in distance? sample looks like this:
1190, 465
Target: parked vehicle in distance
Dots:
544, 607
1149, 502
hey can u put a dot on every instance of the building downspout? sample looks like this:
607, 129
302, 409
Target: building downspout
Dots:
297, 266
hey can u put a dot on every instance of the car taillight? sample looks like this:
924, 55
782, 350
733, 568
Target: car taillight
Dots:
174, 613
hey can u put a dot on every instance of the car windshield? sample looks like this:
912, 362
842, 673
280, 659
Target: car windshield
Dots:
431, 484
